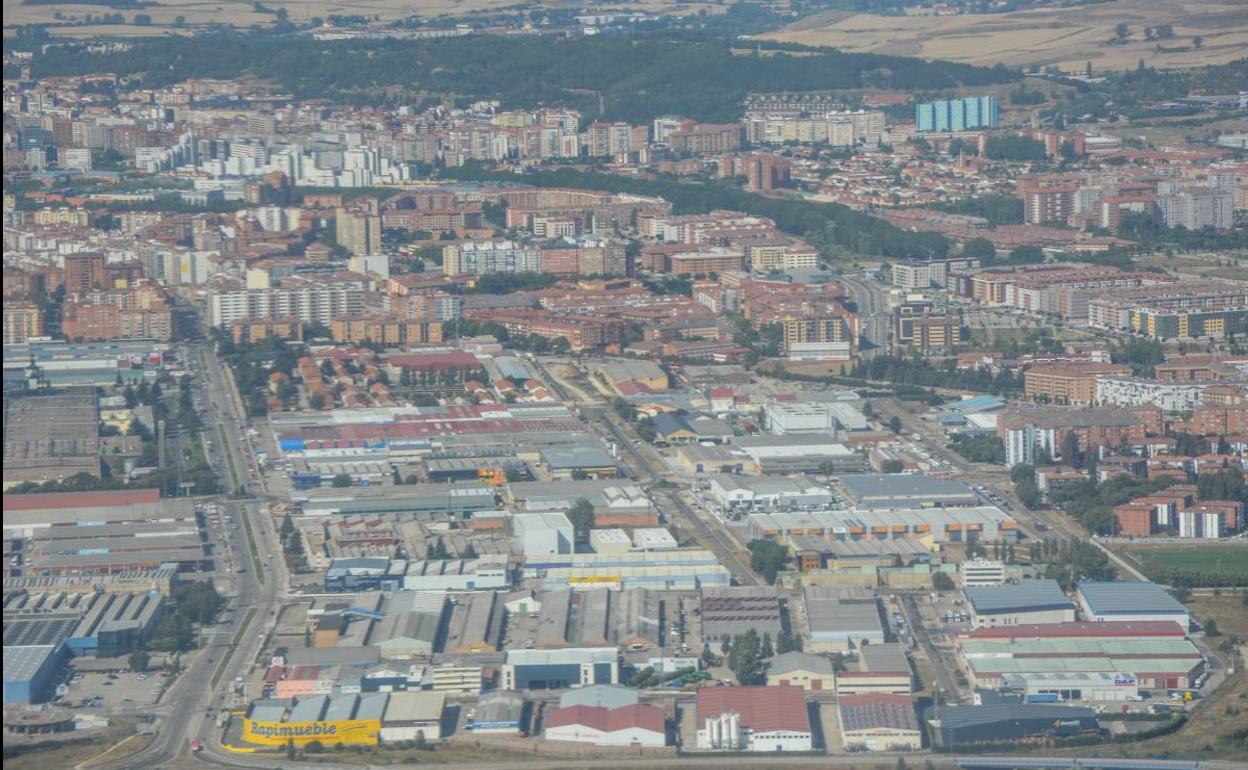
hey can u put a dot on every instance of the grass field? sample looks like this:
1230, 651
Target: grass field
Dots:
1220, 564
1223, 558
1067, 37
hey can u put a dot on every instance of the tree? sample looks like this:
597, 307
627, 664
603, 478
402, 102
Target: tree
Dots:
767, 558
893, 466
942, 582
316, 401
139, 661
579, 474
581, 514
341, 480
1122, 31
981, 249
767, 650
894, 424
1026, 255
1198, 41
745, 658
1070, 449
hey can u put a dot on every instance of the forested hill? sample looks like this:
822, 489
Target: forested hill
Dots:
637, 79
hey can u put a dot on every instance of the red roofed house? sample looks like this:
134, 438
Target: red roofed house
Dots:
770, 719
635, 725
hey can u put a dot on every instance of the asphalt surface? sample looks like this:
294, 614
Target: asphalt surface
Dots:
191, 697
873, 320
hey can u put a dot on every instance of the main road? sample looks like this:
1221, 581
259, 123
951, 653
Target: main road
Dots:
258, 590
873, 320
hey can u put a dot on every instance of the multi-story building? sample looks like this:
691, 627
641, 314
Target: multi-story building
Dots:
481, 257
1046, 199
310, 302
1027, 431
920, 325
22, 320
580, 331
706, 137
84, 272
386, 330
358, 229
1073, 384
957, 114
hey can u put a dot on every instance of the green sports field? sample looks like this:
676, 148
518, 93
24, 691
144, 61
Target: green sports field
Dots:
1225, 565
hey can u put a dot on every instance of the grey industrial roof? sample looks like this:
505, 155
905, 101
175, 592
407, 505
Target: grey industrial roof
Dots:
1026, 595
499, 706
342, 707
868, 485
22, 663
331, 656
269, 710
309, 709
37, 630
415, 707
372, 705
953, 717
603, 695
871, 711
883, 658
568, 655
577, 457
801, 661
1129, 597
834, 616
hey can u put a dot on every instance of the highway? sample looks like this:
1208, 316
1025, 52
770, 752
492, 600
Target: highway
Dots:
873, 319
257, 592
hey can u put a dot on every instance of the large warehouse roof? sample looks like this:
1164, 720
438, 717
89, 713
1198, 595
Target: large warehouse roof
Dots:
1024, 596
903, 487
1129, 598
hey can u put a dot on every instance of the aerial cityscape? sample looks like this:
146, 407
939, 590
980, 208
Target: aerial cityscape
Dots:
855, 384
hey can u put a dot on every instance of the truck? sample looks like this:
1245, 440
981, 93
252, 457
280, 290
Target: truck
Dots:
196, 746
1042, 697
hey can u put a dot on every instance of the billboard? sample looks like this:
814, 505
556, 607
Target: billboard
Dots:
342, 731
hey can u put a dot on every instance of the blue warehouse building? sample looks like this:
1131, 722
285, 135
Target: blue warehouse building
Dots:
30, 672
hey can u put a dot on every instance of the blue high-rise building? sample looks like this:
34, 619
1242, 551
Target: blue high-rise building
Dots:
957, 114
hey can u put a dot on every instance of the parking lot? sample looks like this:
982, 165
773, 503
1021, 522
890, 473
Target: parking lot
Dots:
114, 692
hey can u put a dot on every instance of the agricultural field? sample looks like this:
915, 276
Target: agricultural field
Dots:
182, 16
1195, 565
1065, 37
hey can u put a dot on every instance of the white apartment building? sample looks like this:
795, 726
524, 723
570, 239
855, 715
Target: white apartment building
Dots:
480, 257
1129, 391
309, 303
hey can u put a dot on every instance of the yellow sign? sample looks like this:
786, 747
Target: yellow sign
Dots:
344, 731
591, 579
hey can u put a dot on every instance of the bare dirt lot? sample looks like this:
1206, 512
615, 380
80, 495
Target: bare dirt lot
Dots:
1067, 37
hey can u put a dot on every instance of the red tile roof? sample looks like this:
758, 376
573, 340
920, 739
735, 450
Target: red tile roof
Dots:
103, 499
762, 709
636, 716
